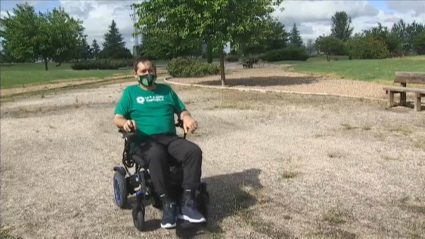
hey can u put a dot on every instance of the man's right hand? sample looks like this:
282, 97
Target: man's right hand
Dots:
129, 125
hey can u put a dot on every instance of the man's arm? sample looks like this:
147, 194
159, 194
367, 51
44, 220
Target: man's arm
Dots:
121, 113
119, 121
124, 123
184, 114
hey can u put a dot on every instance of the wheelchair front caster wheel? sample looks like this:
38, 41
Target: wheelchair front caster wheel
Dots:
139, 219
120, 190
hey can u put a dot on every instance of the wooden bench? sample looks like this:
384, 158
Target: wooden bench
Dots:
248, 64
405, 78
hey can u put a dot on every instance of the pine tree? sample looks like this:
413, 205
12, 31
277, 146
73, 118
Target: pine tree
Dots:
114, 42
295, 37
95, 49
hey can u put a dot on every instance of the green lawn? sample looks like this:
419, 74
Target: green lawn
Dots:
366, 70
17, 75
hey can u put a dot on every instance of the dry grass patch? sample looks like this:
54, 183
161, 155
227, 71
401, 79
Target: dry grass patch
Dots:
420, 143
335, 154
400, 130
389, 158
348, 126
332, 234
251, 219
366, 128
413, 204
337, 215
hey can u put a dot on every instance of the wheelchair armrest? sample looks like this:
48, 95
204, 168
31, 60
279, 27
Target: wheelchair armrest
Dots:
179, 123
130, 136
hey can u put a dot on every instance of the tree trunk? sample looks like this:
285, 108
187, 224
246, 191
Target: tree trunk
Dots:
209, 52
223, 76
45, 64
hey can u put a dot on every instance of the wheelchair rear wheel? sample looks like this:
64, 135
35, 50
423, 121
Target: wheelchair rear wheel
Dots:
120, 190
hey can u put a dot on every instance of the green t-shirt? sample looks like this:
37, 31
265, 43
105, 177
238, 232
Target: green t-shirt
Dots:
152, 110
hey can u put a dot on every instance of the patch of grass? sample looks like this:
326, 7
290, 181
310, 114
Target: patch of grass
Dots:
267, 228
413, 204
44, 92
289, 174
389, 158
337, 215
23, 74
4, 234
420, 143
365, 70
335, 154
400, 130
235, 105
332, 234
366, 128
347, 126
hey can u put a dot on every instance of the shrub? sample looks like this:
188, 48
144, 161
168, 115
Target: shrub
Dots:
184, 67
252, 59
102, 64
286, 54
232, 58
368, 48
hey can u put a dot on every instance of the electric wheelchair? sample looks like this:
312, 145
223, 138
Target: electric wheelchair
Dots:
139, 183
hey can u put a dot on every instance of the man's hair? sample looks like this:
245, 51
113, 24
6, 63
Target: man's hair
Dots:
142, 60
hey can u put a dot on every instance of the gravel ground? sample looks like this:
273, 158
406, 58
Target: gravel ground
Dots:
276, 165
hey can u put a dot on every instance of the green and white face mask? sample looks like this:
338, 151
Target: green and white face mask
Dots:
146, 80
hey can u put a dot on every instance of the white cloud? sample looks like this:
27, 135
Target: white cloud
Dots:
409, 7
312, 17
97, 16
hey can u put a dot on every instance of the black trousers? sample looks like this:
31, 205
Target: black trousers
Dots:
156, 151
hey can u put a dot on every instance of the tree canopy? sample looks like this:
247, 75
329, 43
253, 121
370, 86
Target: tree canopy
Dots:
51, 35
214, 22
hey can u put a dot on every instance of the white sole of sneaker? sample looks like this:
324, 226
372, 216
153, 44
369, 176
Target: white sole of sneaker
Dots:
186, 218
168, 226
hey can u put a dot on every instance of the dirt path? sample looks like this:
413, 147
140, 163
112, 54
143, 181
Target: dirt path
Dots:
276, 165
275, 77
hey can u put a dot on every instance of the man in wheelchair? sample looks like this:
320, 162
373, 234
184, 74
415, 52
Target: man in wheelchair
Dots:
148, 108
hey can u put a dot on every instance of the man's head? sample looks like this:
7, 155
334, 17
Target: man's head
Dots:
145, 72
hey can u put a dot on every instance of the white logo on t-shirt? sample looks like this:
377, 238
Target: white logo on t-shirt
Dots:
156, 98
140, 100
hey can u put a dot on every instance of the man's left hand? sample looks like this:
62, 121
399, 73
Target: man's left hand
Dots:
189, 124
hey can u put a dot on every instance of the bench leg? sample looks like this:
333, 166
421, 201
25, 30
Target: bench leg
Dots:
403, 98
391, 99
418, 102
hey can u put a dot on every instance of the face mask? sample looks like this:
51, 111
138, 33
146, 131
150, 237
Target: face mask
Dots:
146, 80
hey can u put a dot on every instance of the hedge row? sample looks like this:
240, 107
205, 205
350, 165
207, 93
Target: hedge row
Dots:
102, 64
184, 67
286, 54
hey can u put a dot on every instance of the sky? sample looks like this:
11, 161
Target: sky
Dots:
312, 17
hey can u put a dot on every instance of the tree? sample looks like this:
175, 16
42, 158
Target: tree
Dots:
295, 37
50, 36
329, 45
341, 26
310, 46
95, 49
161, 46
215, 23
271, 35
392, 40
114, 45
419, 43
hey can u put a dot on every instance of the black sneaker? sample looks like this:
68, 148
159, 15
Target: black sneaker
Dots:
169, 216
188, 211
